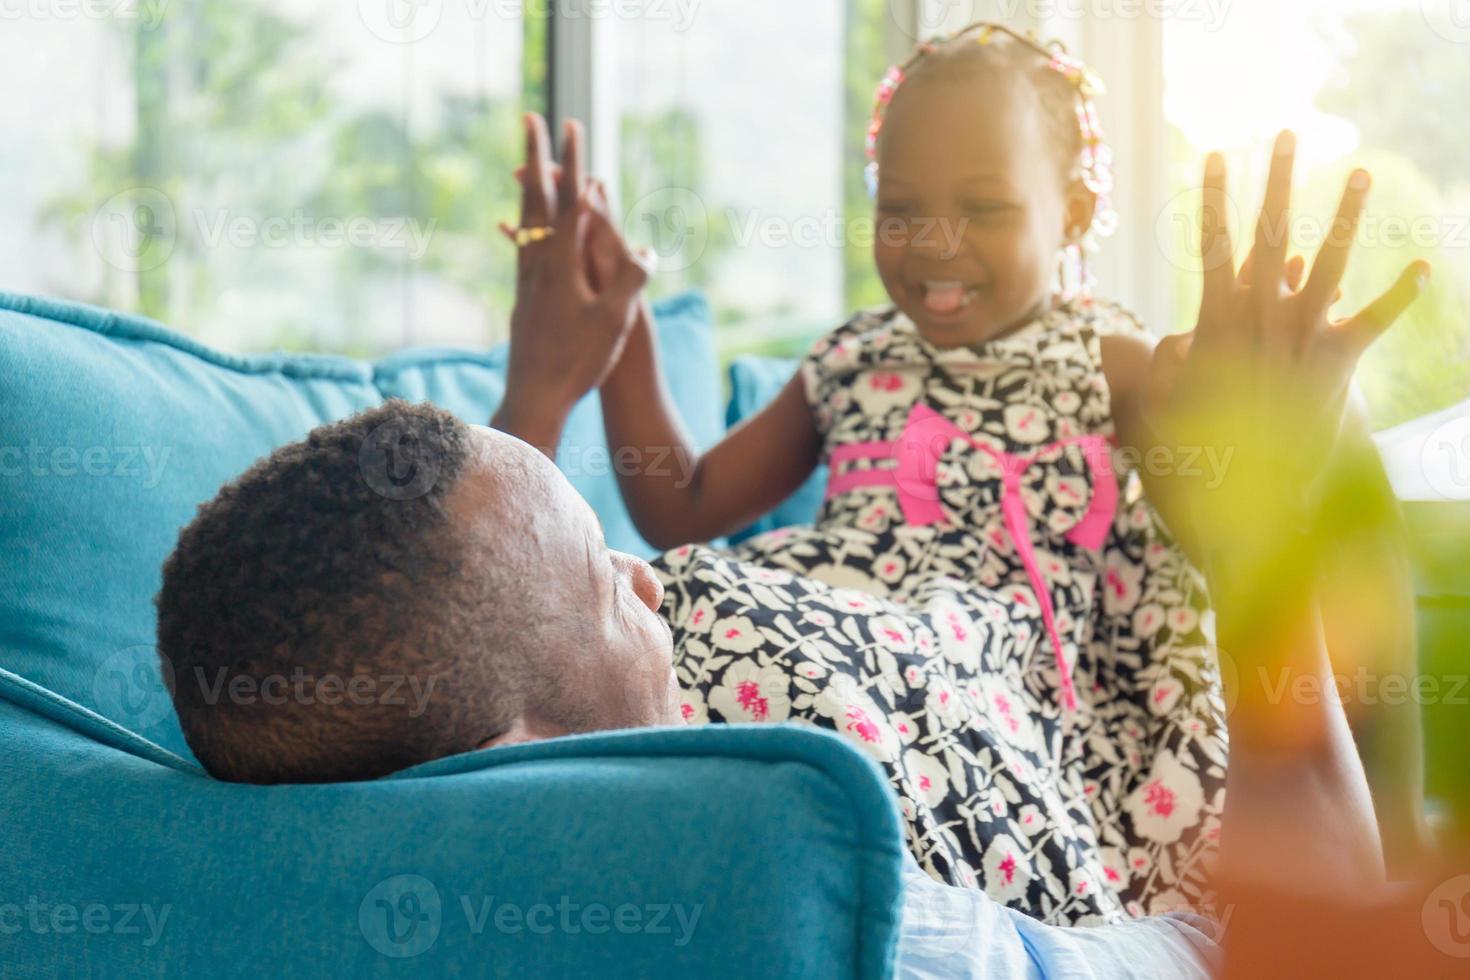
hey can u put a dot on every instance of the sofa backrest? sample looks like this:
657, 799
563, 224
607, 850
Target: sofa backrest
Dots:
114, 429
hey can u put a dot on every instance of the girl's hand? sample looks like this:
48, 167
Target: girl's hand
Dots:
1264, 377
569, 325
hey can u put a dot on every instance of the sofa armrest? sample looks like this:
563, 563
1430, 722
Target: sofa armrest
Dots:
695, 852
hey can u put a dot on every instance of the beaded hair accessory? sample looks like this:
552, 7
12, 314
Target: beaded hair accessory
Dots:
1095, 165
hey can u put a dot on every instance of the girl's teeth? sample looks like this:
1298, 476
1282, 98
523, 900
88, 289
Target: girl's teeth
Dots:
945, 297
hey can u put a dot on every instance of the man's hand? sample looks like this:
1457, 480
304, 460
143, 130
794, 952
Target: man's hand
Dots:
568, 327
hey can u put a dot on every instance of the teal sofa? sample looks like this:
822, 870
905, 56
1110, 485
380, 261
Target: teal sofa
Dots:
770, 851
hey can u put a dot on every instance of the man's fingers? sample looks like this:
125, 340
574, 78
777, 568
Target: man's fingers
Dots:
520, 172
1216, 249
1332, 261
537, 190
1382, 313
1271, 230
570, 185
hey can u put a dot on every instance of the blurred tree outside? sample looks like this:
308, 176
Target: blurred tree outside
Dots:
236, 118
1419, 207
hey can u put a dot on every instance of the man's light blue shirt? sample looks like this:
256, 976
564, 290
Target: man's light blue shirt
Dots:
951, 932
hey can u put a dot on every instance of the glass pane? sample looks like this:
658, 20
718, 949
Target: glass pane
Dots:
260, 173
741, 133
1373, 83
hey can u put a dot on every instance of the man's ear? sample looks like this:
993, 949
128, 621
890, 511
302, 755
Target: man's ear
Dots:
1081, 208
523, 730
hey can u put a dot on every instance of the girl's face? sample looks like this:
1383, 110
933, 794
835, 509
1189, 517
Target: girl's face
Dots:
972, 208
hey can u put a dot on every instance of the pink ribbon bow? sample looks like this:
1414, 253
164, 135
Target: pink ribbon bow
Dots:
916, 454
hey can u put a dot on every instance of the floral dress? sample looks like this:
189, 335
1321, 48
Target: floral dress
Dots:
991, 609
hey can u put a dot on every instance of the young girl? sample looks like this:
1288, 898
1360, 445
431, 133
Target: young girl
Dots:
987, 603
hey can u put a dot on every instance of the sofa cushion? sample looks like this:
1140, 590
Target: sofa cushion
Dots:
754, 381
114, 429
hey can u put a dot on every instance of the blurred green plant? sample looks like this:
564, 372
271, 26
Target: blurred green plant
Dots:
237, 118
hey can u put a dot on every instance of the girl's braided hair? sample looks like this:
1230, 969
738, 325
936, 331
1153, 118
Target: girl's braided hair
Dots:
1067, 89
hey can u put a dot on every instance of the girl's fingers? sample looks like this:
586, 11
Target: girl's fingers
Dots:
1296, 271
1332, 261
537, 189
1382, 313
625, 276
1271, 230
1216, 249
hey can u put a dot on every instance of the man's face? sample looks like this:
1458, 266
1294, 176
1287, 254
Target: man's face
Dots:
608, 656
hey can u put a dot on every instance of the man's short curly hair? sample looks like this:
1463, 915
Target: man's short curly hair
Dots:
317, 621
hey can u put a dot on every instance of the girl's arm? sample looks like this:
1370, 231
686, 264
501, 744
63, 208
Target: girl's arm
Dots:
674, 493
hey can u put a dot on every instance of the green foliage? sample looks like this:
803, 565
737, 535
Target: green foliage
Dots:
237, 119
1395, 72
663, 189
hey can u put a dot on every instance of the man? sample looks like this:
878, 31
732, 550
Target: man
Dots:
490, 578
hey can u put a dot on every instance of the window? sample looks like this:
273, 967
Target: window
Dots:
1373, 83
315, 175
740, 136
271, 173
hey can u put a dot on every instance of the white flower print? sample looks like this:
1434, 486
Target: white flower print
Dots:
880, 392
735, 633
855, 715
1164, 695
891, 568
1182, 619
959, 638
1148, 619
1030, 820
1168, 803
1115, 868
893, 633
1067, 402
1026, 424
751, 693
701, 617
878, 515
1122, 584
927, 775
1006, 870
692, 708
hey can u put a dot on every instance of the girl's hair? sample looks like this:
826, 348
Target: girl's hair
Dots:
1065, 88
